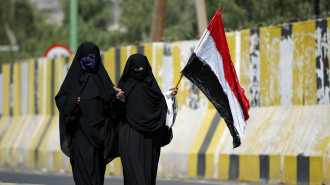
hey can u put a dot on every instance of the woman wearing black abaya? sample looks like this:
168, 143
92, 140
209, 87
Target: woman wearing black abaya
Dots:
142, 132
84, 102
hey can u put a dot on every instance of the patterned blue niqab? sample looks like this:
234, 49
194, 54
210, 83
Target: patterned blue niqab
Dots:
89, 63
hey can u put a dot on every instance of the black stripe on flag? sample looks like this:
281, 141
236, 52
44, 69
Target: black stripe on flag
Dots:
200, 73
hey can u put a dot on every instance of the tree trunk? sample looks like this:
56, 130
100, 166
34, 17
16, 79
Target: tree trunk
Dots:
201, 16
158, 20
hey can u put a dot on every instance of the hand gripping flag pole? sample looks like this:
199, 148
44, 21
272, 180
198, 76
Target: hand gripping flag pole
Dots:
177, 84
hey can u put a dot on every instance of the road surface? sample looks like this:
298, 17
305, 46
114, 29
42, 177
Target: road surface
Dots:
19, 177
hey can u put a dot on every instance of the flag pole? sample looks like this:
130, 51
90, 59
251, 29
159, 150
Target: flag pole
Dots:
177, 84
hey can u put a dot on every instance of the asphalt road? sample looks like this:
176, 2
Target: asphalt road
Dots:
18, 177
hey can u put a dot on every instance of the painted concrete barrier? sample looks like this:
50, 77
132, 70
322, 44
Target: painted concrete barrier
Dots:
281, 145
283, 69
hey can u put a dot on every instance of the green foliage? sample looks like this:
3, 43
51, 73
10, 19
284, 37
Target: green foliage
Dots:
178, 25
94, 17
32, 34
136, 17
95, 12
240, 14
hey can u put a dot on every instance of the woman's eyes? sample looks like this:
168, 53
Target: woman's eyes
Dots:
90, 56
139, 68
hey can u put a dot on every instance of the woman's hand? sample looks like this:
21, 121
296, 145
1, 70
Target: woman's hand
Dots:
120, 95
174, 91
78, 100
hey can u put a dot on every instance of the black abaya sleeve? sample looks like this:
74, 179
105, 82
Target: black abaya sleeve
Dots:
111, 128
71, 109
67, 106
114, 109
69, 112
112, 104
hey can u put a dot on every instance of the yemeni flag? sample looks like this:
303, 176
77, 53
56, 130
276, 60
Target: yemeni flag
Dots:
210, 68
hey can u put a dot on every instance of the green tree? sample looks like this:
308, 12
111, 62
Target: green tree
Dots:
25, 27
178, 25
136, 19
239, 14
136, 16
94, 17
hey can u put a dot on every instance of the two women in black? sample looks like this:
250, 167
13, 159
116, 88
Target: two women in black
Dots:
85, 101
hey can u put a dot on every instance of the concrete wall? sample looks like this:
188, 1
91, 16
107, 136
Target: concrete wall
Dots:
283, 69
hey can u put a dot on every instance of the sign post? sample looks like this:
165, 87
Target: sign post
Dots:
73, 25
57, 50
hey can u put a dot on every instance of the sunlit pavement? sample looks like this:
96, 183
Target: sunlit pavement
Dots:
10, 176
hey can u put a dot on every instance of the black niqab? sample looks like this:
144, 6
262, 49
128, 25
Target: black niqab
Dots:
90, 86
145, 104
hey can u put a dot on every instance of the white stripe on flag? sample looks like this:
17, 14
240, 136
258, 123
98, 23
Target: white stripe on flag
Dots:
208, 53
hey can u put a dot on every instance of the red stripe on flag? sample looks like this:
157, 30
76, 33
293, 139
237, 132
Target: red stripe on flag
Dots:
217, 32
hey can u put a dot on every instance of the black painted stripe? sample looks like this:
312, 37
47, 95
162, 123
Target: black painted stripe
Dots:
140, 49
67, 63
205, 145
286, 31
36, 85
233, 167
5, 127
52, 93
1, 87
254, 52
117, 65
302, 169
36, 154
257, 32
11, 89
264, 167
167, 49
102, 58
322, 65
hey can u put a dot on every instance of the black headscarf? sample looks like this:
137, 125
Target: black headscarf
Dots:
75, 79
145, 104
83, 82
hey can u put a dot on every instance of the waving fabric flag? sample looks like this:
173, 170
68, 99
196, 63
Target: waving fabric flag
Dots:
210, 68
